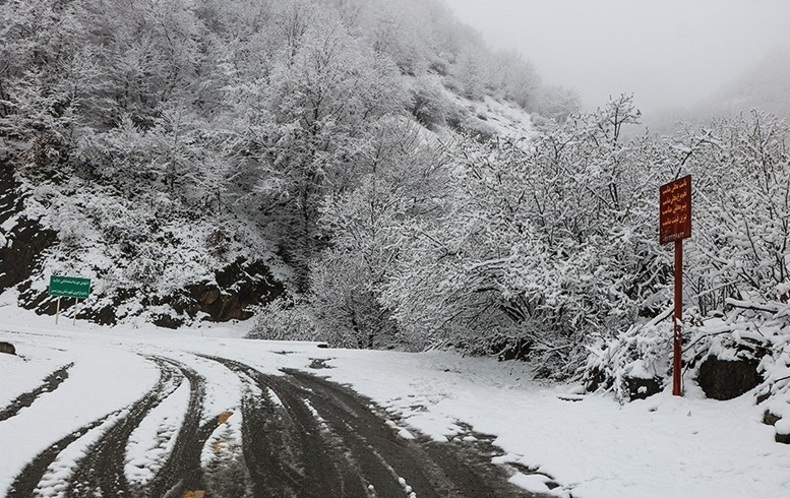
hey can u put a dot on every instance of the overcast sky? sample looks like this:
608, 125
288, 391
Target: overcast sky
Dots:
668, 53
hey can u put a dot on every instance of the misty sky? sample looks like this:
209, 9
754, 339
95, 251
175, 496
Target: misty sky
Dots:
668, 53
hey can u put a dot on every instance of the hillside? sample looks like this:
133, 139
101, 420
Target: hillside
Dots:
178, 152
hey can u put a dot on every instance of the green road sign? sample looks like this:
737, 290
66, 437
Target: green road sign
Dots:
76, 287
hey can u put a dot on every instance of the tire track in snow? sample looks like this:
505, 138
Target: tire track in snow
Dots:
392, 465
315, 438
101, 472
182, 470
26, 482
51, 382
427, 467
302, 437
422, 466
328, 471
285, 453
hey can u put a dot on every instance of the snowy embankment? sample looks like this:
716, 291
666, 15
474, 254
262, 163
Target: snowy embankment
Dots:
590, 444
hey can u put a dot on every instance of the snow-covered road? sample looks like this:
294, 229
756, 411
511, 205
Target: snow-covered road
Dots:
84, 380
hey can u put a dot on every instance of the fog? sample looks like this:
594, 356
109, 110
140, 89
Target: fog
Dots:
668, 53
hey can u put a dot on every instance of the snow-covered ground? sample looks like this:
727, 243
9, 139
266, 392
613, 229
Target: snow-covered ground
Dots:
660, 447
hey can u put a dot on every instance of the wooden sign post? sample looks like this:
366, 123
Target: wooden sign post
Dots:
674, 226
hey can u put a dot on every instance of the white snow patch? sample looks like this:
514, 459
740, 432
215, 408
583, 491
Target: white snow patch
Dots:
225, 442
314, 413
273, 397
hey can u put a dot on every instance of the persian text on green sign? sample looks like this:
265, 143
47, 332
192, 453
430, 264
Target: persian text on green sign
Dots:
76, 287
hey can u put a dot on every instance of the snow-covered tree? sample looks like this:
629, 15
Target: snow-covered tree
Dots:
401, 178
547, 243
309, 122
741, 243
39, 49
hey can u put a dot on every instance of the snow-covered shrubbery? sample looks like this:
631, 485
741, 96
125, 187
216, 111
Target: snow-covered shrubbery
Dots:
640, 353
550, 245
547, 243
282, 320
738, 258
755, 333
755, 330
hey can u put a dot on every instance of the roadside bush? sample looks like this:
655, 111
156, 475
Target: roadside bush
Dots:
284, 319
641, 352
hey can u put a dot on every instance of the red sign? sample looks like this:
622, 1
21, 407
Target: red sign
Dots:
675, 220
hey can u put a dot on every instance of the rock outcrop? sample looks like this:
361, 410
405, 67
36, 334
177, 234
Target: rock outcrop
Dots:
727, 379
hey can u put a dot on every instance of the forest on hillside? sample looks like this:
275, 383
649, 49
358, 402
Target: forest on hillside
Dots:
339, 140
236, 118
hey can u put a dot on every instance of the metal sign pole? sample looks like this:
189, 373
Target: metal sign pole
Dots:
57, 311
674, 226
76, 309
677, 382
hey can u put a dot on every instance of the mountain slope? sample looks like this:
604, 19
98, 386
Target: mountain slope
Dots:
179, 152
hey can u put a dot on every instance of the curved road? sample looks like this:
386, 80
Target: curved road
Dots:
302, 437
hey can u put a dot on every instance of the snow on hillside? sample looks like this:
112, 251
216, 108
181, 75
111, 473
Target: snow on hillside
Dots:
589, 444
501, 118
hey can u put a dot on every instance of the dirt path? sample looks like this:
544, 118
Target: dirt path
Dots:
182, 471
102, 469
26, 482
302, 437
307, 437
101, 472
429, 468
284, 452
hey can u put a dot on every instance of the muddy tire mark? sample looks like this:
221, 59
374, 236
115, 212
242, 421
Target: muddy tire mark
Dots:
302, 437
283, 448
430, 468
328, 471
101, 472
383, 457
182, 470
26, 482
51, 382
321, 439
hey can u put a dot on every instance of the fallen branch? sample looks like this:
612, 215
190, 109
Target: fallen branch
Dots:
737, 303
